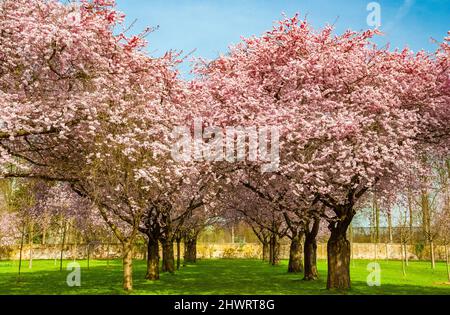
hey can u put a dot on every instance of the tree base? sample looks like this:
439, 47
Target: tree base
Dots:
338, 263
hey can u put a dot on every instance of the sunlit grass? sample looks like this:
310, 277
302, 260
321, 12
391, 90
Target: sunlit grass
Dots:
217, 277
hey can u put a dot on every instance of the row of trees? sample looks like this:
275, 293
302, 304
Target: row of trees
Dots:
46, 213
82, 103
418, 215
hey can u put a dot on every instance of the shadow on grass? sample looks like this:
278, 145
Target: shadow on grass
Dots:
221, 277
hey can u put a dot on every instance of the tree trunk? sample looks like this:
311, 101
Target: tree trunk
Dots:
145, 249
127, 266
447, 261
338, 248
274, 250
406, 255
433, 257
426, 222
376, 239
338, 251
403, 261
88, 254
75, 247
152, 259
232, 234
295, 255
265, 251
352, 252
271, 250
387, 252
30, 244
190, 250
108, 249
411, 218
178, 253
63, 243
310, 253
389, 219
376, 252
168, 263
377, 223
377, 229
44, 235
21, 248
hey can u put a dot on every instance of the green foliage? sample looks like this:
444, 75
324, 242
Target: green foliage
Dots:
419, 249
6, 192
6, 251
17, 194
206, 250
230, 253
242, 250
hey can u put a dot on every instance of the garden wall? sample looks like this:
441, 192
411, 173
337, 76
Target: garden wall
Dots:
208, 250
360, 251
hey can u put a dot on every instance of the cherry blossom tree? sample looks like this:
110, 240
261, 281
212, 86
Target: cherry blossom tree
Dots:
23, 202
177, 210
83, 105
190, 231
262, 214
301, 214
351, 115
66, 209
9, 229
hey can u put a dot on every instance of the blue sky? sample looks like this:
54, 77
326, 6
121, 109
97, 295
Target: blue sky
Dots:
210, 26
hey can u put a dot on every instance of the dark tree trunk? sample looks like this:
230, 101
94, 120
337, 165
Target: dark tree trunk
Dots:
265, 251
152, 259
190, 250
168, 264
271, 250
262, 236
127, 266
274, 250
295, 255
178, 253
310, 252
338, 262
338, 250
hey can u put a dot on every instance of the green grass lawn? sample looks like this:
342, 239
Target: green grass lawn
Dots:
217, 277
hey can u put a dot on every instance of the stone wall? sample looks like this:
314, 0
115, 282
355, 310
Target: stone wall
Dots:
360, 251
70, 252
209, 250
